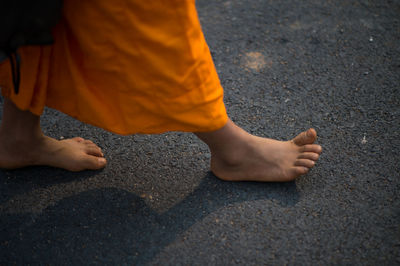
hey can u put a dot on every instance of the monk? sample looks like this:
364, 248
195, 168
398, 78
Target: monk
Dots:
134, 67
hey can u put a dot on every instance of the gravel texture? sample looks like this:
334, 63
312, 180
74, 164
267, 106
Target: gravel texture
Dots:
286, 65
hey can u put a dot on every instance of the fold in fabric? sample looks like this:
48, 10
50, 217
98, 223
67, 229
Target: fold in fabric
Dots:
125, 66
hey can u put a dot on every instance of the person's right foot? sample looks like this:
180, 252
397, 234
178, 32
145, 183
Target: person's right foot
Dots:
74, 154
251, 158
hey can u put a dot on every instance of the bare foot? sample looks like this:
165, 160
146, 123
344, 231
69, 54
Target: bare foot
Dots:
239, 156
74, 154
22, 143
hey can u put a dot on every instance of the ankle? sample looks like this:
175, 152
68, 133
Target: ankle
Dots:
229, 144
235, 153
18, 125
19, 138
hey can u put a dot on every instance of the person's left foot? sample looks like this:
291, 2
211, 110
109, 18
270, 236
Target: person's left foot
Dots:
74, 154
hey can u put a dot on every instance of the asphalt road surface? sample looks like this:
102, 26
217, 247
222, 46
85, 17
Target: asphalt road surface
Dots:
286, 65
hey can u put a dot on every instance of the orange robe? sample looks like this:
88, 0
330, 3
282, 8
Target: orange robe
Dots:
125, 66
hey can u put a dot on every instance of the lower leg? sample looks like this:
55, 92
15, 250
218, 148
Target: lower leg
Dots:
239, 156
19, 125
22, 143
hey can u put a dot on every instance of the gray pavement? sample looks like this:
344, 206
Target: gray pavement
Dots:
285, 66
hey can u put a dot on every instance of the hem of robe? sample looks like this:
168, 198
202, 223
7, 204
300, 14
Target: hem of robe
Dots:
33, 100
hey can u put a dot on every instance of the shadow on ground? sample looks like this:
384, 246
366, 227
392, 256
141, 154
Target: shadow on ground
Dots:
112, 225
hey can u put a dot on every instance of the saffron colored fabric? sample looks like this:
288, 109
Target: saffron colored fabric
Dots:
125, 66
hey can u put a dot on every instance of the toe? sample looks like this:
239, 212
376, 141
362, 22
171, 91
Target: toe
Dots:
301, 170
87, 141
94, 150
92, 145
78, 139
306, 137
305, 163
311, 148
309, 155
297, 171
94, 163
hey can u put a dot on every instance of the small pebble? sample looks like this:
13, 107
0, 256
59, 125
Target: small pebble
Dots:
364, 140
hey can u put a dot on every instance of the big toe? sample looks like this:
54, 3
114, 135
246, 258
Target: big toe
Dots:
306, 137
